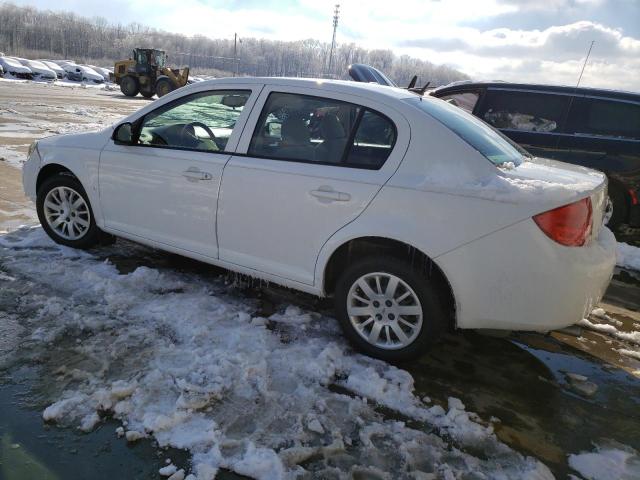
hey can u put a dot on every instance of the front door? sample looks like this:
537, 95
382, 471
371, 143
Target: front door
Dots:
312, 165
164, 187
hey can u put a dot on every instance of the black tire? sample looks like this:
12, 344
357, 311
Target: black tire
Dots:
164, 85
620, 203
92, 236
147, 93
434, 316
129, 86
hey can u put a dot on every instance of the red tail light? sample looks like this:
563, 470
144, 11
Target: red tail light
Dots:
569, 225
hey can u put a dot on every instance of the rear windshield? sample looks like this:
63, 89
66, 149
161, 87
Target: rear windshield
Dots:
472, 130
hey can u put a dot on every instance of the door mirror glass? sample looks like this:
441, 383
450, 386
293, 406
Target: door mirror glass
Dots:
123, 134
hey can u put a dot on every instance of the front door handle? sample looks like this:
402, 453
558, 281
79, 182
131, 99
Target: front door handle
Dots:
193, 175
328, 194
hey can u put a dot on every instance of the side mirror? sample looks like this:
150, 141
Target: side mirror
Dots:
123, 134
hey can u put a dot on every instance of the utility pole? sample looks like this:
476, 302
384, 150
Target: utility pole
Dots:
336, 15
235, 53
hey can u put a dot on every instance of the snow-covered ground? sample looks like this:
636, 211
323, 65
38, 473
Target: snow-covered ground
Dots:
610, 461
187, 361
628, 256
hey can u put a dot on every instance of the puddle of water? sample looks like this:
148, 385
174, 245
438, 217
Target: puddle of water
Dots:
522, 383
37, 450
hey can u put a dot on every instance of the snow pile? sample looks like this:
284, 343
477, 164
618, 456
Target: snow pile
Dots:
610, 461
185, 359
611, 330
628, 256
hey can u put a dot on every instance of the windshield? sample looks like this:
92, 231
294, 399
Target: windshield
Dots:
472, 130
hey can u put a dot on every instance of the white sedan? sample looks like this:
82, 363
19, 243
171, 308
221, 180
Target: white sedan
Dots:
415, 216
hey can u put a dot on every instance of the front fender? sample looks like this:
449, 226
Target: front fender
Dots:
79, 154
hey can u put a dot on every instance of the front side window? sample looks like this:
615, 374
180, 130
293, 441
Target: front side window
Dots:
466, 101
491, 144
321, 130
524, 111
203, 121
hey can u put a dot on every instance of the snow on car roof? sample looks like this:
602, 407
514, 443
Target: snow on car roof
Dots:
11, 61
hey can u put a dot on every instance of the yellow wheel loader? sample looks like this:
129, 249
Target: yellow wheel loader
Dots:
145, 72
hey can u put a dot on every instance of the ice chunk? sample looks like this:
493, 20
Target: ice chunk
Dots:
168, 471
609, 461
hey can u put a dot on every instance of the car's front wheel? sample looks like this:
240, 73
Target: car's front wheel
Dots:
388, 309
65, 212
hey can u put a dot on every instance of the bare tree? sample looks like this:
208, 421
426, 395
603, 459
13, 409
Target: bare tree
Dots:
32, 33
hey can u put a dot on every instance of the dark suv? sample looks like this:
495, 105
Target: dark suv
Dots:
595, 128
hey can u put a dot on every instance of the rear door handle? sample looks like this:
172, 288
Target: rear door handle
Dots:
324, 193
193, 174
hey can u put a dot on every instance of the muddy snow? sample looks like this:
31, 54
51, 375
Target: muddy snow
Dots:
188, 362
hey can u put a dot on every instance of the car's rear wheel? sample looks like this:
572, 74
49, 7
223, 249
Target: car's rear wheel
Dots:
65, 212
388, 309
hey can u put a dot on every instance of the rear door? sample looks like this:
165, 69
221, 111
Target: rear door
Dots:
311, 162
604, 134
532, 119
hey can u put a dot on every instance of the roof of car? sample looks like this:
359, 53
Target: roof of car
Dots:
600, 92
343, 86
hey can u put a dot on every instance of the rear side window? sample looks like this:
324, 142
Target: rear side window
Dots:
607, 118
320, 130
475, 132
524, 111
466, 101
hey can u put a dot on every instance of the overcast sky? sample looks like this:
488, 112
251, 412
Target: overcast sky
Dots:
524, 40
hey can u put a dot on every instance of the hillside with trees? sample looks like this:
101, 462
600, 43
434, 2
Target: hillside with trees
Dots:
33, 33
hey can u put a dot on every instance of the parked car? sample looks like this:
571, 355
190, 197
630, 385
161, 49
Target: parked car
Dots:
72, 71
60, 73
591, 127
1, 71
105, 72
15, 69
80, 73
90, 75
413, 215
40, 70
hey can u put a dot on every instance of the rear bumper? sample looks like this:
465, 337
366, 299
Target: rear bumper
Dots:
519, 279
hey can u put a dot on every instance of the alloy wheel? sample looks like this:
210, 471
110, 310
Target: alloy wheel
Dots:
67, 213
384, 310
